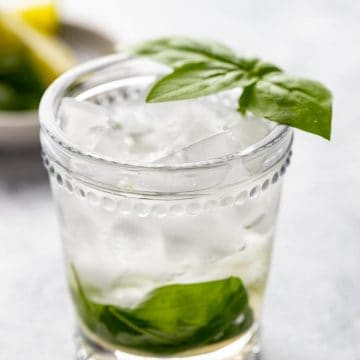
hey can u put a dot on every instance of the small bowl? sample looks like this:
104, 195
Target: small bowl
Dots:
20, 129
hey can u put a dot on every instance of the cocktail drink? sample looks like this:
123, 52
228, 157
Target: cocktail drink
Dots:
167, 213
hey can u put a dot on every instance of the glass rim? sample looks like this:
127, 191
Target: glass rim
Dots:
57, 89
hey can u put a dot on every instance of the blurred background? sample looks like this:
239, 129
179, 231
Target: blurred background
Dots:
312, 307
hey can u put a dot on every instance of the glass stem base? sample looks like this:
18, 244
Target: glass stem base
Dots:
246, 348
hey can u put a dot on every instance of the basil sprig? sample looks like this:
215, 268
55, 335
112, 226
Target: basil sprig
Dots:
171, 318
202, 68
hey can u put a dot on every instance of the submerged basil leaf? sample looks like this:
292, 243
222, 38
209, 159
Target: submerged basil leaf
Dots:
172, 318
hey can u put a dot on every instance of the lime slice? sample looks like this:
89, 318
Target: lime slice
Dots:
49, 56
43, 17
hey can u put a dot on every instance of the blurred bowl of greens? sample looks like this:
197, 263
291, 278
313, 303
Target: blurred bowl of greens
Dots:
35, 48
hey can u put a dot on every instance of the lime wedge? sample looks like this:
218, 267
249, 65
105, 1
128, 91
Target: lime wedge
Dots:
48, 55
42, 17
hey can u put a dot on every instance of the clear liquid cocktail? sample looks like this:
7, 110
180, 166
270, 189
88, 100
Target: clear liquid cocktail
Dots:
167, 213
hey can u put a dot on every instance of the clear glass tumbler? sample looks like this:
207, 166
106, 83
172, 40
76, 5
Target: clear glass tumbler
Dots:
163, 261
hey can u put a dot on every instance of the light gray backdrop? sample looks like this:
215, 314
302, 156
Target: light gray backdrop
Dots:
312, 308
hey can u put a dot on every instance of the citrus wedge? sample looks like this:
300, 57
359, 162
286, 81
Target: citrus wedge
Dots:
48, 55
43, 17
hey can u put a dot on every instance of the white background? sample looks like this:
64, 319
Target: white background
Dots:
312, 308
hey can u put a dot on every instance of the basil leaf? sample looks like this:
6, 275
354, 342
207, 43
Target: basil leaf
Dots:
196, 79
177, 51
261, 68
290, 100
203, 68
89, 311
172, 318
181, 310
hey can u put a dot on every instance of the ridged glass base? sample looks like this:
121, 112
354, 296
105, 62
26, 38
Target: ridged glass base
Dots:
246, 348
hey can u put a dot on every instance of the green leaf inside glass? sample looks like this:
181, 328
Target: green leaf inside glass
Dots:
172, 318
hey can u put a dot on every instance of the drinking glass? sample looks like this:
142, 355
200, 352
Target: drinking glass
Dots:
162, 261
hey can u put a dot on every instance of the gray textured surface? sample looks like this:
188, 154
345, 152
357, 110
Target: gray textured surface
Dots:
312, 307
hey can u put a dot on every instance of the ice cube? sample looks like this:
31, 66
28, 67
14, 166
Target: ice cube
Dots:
212, 147
82, 122
133, 119
251, 264
209, 148
250, 129
176, 125
123, 139
202, 238
269, 203
126, 138
241, 134
250, 212
113, 143
82, 227
158, 129
137, 246
127, 297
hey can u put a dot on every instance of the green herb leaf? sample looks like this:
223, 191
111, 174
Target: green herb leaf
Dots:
181, 311
201, 68
204, 68
88, 310
290, 100
197, 79
177, 51
172, 318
